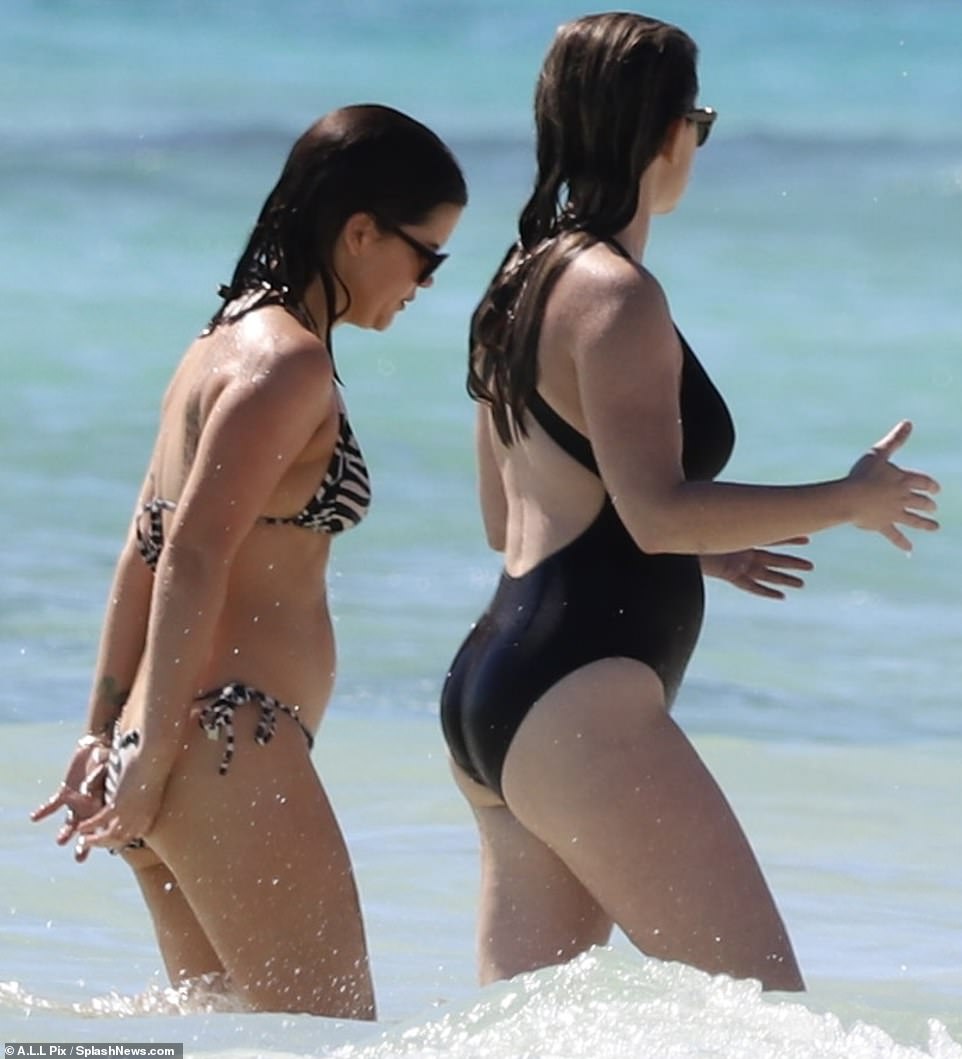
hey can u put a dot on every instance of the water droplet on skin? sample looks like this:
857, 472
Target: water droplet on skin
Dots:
168, 887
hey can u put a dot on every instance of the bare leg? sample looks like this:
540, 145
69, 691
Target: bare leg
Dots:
185, 948
533, 912
260, 858
600, 773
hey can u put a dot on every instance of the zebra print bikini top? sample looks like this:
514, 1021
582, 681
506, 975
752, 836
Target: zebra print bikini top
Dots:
341, 500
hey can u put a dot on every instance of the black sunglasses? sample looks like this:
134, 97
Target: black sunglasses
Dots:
432, 259
703, 118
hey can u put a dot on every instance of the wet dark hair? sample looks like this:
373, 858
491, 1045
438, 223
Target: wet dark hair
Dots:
365, 158
609, 90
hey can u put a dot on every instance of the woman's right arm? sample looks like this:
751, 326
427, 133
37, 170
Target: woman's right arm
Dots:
628, 359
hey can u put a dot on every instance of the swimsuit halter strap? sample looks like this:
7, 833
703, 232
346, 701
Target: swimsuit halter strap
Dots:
562, 433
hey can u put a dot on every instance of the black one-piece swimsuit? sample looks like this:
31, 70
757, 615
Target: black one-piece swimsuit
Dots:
598, 597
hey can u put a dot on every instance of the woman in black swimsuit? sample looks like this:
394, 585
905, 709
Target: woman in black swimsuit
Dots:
599, 438
218, 644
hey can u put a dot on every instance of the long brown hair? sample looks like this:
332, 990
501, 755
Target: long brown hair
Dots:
362, 158
609, 89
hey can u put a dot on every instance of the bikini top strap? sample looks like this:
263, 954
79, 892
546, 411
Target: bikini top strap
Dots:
562, 433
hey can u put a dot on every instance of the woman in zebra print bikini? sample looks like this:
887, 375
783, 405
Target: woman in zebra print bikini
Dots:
217, 654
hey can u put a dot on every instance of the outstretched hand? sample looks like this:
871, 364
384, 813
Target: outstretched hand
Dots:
889, 496
81, 793
757, 570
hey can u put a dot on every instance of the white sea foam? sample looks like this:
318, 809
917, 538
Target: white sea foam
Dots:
604, 1005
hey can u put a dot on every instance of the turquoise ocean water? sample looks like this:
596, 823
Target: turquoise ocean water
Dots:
814, 265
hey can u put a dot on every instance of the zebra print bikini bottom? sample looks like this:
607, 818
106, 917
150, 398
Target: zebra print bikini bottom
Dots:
216, 717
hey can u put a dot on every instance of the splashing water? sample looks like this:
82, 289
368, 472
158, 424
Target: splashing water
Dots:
603, 1005
608, 1006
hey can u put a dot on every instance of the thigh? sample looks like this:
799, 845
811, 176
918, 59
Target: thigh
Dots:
185, 948
601, 773
261, 860
533, 912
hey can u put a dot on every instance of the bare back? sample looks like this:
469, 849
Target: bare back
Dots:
549, 498
219, 420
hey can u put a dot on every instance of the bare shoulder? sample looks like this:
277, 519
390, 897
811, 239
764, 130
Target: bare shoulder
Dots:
279, 368
603, 300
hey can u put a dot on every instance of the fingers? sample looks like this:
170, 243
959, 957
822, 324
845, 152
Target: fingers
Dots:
790, 540
99, 821
893, 440
897, 537
103, 830
780, 559
776, 577
762, 582
919, 501
94, 781
758, 589
68, 828
920, 482
921, 522
913, 520
51, 805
